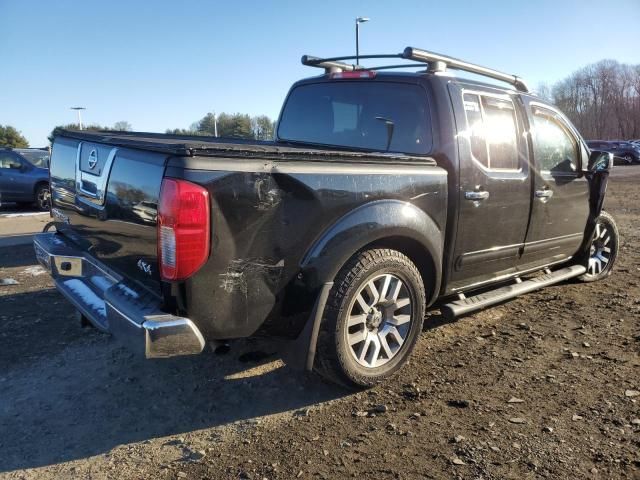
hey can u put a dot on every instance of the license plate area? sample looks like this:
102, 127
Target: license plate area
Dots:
68, 266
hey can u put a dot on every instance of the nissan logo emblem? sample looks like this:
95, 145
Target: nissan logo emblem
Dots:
93, 159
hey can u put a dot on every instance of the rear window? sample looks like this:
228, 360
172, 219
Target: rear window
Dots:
362, 115
39, 158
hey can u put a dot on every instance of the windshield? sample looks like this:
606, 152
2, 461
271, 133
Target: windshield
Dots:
363, 115
38, 158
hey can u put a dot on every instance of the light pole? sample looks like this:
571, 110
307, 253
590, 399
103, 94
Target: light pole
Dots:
359, 20
79, 109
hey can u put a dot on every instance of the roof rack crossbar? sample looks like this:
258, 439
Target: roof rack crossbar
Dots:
438, 62
335, 64
404, 65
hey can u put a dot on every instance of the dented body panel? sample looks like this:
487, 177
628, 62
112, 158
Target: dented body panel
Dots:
282, 231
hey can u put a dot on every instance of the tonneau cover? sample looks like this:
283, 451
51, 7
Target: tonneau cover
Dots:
185, 145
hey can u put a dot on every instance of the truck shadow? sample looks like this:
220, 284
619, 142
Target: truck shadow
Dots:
17, 251
67, 393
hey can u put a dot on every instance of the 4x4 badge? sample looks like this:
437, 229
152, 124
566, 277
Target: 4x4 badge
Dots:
144, 266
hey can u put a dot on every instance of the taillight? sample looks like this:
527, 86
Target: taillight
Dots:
183, 228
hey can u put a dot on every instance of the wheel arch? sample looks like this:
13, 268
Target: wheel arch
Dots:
383, 224
38, 184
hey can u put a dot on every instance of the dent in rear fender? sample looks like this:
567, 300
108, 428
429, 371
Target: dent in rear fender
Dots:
369, 223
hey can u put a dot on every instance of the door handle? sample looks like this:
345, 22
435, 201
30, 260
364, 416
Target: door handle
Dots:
545, 193
483, 195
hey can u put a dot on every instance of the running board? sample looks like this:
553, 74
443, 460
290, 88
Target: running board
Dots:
486, 299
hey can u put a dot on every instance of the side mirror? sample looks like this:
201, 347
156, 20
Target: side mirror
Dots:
600, 161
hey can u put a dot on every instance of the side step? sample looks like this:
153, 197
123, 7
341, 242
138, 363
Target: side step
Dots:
486, 299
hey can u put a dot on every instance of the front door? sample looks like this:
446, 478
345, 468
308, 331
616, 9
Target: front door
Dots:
561, 192
10, 172
495, 186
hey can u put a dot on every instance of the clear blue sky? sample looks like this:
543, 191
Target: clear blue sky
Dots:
163, 64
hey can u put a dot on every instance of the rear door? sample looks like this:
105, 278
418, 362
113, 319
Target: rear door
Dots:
561, 192
495, 185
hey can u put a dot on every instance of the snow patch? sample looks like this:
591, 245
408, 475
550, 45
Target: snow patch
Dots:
35, 270
127, 291
26, 214
56, 241
86, 295
100, 282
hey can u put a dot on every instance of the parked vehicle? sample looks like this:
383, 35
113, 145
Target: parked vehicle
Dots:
625, 153
24, 176
383, 194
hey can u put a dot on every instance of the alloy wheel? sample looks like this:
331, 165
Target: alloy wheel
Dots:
600, 252
44, 197
379, 320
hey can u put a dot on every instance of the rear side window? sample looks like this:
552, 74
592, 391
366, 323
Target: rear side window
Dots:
554, 147
362, 115
8, 160
492, 131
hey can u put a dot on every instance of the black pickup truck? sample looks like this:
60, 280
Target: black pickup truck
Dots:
383, 193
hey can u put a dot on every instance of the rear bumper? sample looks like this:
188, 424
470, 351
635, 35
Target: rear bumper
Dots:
129, 313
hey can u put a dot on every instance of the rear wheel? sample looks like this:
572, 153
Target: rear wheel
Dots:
373, 318
603, 249
43, 197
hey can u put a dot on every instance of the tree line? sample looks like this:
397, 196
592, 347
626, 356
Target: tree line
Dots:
602, 100
236, 125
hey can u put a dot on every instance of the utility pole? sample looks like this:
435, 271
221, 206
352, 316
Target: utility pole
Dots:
215, 125
79, 110
359, 20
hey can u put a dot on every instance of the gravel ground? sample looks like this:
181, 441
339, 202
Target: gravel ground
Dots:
544, 386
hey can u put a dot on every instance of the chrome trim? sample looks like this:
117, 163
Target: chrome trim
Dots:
135, 317
482, 195
98, 198
169, 336
507, 276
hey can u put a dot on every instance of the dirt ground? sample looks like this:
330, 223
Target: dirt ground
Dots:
544, 386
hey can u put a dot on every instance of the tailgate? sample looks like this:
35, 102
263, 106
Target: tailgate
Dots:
105, 199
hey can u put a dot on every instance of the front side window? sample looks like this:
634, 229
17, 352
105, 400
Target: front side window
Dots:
492, 131
368, 115
554, 147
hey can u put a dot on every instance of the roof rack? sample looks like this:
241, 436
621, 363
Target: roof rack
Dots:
436, 63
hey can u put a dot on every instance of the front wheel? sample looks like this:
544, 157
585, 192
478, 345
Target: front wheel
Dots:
372, 320
603, 249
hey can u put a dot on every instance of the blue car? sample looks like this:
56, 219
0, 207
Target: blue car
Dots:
24, 176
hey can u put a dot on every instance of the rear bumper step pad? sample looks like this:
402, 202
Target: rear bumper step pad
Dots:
469, 304
131, 315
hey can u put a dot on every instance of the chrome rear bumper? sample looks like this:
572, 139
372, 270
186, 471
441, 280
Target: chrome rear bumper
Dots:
129, 313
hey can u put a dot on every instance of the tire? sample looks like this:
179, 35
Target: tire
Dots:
43, 197
629, 159
360, 348
603, 250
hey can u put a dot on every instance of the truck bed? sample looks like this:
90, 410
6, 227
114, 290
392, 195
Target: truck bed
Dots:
186, 145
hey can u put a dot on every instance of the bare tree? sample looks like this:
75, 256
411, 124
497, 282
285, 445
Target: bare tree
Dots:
602, 100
